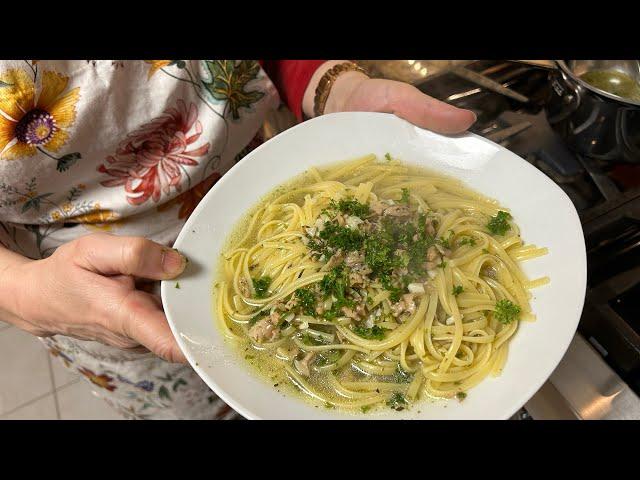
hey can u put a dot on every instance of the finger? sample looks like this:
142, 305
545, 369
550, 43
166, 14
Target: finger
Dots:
143, 320
126, 281
137, 349
156, 299
112, 254
424, 111
409, 103
147, 286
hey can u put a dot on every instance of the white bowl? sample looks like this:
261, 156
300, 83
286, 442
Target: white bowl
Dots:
544, 213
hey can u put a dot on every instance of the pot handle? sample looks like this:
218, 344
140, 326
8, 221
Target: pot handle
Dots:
569, 94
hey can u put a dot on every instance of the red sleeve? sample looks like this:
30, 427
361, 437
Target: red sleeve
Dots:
291, 78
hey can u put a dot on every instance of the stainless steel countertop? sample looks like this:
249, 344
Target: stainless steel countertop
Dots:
584, 387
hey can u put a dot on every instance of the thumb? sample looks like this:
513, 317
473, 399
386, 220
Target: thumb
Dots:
409, 103
119, 255
427, 112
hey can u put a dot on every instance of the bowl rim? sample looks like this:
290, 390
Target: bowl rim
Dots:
245, 411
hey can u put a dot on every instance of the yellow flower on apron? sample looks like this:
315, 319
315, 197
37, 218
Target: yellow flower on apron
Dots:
27, 124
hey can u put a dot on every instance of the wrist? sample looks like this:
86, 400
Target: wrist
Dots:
340, 89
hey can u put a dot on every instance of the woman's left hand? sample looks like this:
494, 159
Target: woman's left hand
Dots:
354, 91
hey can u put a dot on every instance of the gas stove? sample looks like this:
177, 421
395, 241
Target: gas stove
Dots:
599, 376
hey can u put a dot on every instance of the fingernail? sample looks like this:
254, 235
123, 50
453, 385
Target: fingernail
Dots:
475, 117
173, 262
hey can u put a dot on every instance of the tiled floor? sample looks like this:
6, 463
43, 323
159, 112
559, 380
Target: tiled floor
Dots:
35, 386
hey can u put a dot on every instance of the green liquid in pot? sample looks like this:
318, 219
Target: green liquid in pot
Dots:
616, 83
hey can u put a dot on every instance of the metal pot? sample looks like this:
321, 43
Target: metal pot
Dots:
593, 122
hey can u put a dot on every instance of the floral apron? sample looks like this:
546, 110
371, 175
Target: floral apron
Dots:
127, 147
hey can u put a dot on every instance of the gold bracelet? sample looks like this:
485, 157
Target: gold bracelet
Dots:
326, 82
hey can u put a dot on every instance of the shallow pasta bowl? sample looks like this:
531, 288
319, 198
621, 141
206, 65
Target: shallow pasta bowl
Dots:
543, 212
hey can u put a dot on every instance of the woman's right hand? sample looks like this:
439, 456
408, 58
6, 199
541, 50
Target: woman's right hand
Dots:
86, 290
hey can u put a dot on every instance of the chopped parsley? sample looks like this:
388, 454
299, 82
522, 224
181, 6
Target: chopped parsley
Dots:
417, 254
335, 283
506, 311
373, 333
350, 206
394, 291
387, 156
365, 408
394, 250
306, 301
378, 253
446, 242
457, 290
405, 196
499, 224
261, 286
397, 401
328, 357
461, 396
400, 376
442, 264
467, 241
336, 309
178, 285
343, 238
318, 247
398, 243
484, 250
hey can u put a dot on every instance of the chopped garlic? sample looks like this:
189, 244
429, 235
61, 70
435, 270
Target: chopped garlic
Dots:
353, 221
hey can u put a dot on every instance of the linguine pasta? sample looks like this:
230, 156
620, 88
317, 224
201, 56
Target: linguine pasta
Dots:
373, 283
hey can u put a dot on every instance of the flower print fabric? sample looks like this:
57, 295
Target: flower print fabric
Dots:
149, 161
158, 64
190, 199
30, 123
139, 386
127, 147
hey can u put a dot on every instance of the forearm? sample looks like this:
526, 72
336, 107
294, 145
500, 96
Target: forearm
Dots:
291, 77
9, 284
296, 80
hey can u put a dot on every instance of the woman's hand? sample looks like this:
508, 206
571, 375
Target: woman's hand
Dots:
86, 290
353, 91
